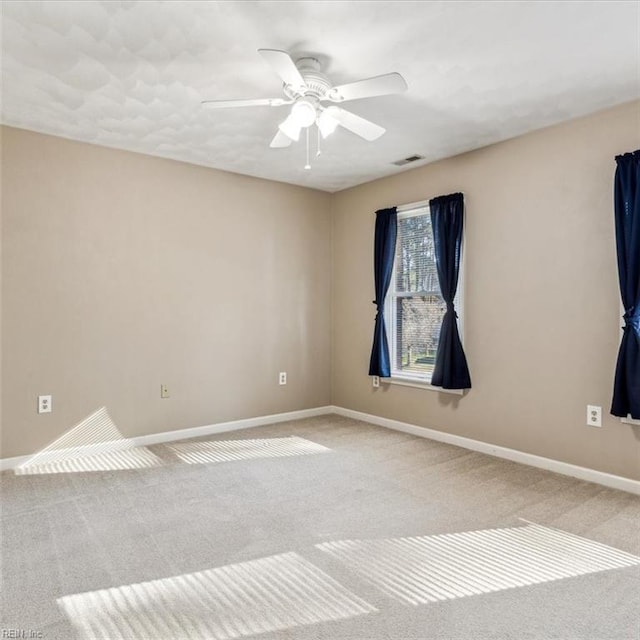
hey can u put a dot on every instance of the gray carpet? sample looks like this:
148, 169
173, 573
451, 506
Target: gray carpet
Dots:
325, 528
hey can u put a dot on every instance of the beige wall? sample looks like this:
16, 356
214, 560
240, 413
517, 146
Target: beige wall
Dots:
122, 272
542, 321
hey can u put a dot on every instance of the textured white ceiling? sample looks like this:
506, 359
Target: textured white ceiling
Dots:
132, 74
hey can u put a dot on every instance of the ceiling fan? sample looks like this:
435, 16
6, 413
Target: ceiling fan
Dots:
306, 88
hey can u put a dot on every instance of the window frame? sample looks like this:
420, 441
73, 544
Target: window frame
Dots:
413, 379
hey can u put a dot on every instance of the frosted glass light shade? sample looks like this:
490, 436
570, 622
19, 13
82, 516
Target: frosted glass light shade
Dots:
326, 123
290, 128
303, 113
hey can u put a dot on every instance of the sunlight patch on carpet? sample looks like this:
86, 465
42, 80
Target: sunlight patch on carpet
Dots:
94, 444
260, 596
426, 569
204, 452
138, 458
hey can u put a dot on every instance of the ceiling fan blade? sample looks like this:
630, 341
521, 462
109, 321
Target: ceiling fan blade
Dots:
291, 128
369, 88
361, 127
280, 140
283, 65
259, 102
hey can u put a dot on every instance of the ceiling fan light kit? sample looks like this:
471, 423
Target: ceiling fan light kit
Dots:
291, 128
304, 112
306, 87
326, 123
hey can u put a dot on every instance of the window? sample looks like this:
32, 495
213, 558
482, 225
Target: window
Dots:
414, 305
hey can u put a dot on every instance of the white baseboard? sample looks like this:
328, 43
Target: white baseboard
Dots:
222, 427
166, 436
564, 468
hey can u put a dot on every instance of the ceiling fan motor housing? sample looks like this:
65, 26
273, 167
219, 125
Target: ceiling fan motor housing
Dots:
307, 99
317, 83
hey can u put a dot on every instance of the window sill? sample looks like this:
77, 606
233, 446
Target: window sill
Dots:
419, 384
629, 421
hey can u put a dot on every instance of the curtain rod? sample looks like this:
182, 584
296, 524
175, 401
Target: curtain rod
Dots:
410, 205
413, 205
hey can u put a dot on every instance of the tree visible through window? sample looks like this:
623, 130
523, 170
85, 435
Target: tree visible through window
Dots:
415, 306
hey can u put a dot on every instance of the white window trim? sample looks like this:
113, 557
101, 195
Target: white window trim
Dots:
417, 381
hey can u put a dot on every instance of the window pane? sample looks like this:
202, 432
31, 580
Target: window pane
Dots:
415, 259
417, 330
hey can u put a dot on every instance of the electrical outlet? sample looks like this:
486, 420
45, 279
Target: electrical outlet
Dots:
375, 381
44, 404
594, 416
164, 391
282, 378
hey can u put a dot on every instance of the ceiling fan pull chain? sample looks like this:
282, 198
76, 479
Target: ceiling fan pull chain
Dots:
307, 166
318, 152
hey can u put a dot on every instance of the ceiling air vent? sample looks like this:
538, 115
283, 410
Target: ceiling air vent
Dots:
401, 163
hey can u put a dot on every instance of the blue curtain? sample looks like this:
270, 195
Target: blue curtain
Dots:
383, 256
626, 389
451, 370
